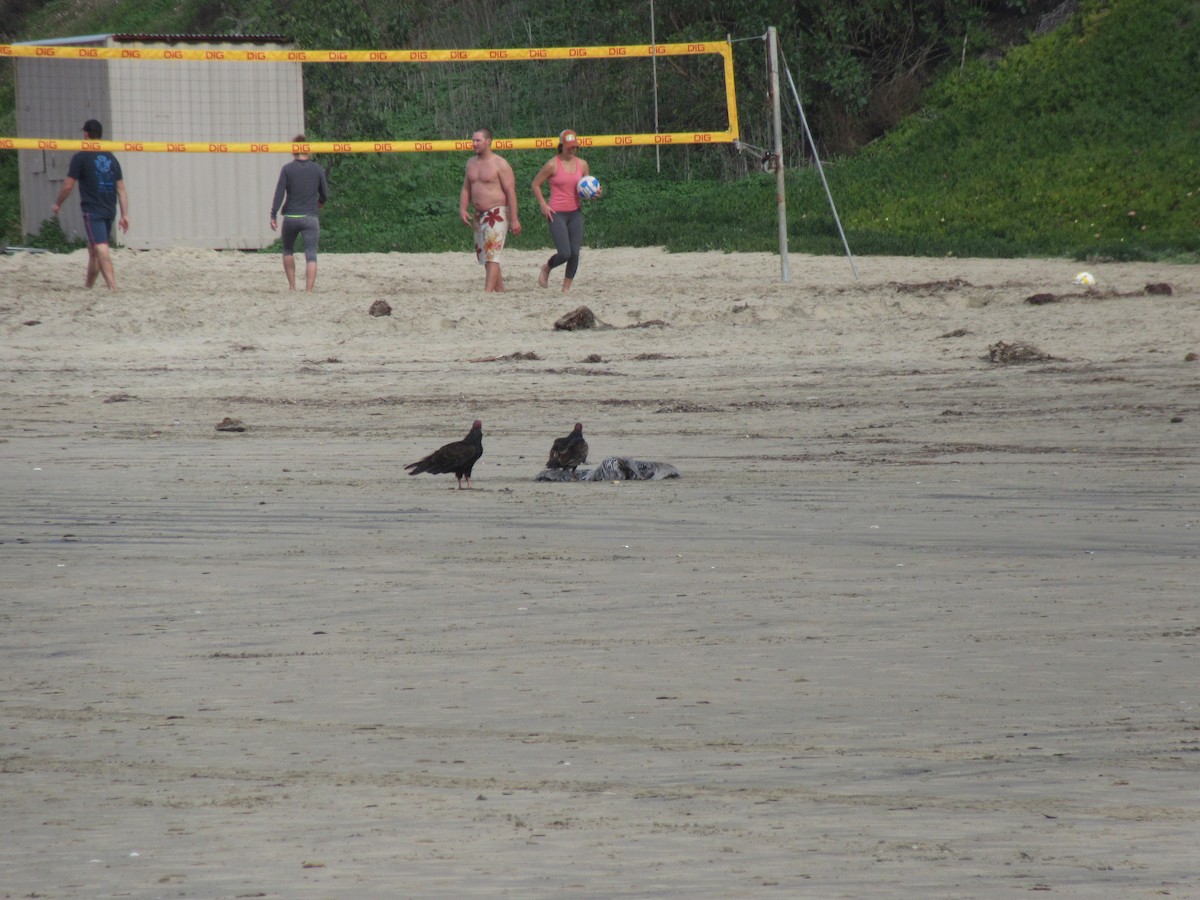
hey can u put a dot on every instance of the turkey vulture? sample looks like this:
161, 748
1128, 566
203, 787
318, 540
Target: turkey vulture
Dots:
568, 452
458, 457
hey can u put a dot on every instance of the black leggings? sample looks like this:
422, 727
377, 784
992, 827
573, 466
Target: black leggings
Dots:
567, 231
308, 228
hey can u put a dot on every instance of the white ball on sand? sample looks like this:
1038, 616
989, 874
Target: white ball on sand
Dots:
1085, 278
588, 187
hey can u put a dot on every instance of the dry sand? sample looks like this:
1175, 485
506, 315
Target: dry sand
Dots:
912, 624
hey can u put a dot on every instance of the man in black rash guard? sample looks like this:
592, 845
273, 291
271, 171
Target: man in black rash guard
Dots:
303, 182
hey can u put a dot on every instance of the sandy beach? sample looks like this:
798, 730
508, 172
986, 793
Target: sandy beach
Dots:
912, 623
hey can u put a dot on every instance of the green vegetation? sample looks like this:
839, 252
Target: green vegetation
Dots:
1083, 142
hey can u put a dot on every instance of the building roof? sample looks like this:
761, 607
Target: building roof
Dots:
203, 38
164, 39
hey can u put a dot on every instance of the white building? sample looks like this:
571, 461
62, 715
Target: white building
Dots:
210, 200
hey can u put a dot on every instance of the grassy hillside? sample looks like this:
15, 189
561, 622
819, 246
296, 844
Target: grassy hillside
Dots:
1084, 142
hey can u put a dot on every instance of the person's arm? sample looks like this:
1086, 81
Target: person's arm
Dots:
464, 199
280, 188
322, 191
508, 183
123, 202
538, 180
64, 192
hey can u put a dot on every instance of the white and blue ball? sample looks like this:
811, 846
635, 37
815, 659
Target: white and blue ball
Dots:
588, 188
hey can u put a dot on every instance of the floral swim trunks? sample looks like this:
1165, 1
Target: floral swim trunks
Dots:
491, 229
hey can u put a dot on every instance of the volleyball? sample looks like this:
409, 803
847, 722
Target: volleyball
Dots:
588, 187
1085, 278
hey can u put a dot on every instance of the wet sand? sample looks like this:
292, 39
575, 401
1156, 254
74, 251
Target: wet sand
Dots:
911, 624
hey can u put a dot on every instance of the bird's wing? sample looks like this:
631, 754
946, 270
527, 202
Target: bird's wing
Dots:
573, 454
556, 450
444, 459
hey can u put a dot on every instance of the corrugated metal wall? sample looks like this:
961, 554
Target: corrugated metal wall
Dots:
207, 200
54, 99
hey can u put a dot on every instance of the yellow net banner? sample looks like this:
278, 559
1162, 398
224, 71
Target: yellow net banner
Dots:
550, 143
519, 54
526, 54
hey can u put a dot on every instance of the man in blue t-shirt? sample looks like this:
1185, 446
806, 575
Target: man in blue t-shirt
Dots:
101, 190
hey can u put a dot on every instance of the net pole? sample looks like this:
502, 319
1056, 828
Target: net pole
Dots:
821, 171
654, 78
780, 186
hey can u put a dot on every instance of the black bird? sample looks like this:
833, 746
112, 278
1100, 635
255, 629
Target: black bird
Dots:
568, 452
459, 457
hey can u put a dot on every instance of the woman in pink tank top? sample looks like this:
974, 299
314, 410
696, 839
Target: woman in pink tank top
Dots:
563, 211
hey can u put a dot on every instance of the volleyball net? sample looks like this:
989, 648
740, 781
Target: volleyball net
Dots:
168, 55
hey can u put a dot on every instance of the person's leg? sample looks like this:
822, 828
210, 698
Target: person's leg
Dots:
311, 231
99, 260
493, 225
481, 252
93, 266
104, 265
287, 235
575, 238
562, 241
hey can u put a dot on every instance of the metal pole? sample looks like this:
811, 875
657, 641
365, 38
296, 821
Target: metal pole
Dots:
780, 187
821, 171
654, 76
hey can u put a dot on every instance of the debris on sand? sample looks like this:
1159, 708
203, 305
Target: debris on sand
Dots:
581, 370
614, 468
582, 318
518, 356
1016, 353
1161, 289
380, 308
228, 424
577, 319
683, 406
929, 286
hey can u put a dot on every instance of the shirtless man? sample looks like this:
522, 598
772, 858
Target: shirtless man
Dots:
490, 188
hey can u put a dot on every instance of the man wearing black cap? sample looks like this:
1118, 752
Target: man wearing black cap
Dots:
101, 189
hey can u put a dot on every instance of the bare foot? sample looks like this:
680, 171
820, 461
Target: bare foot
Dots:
566, 284
544, 276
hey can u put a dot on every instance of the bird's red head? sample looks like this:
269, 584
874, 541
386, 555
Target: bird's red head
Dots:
579, 426
477, 424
